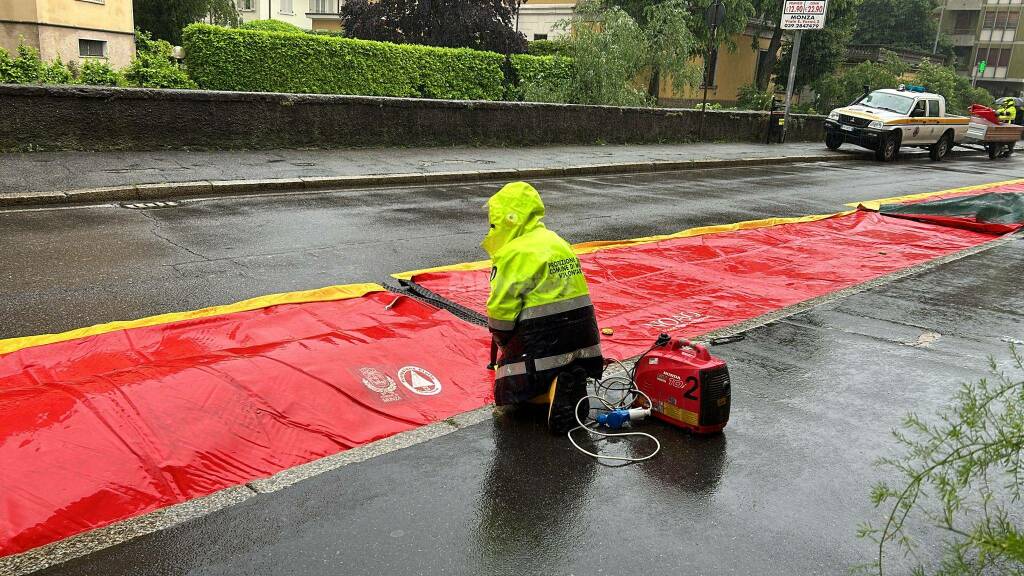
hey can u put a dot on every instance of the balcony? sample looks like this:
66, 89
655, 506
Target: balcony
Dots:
964, 4
323, 8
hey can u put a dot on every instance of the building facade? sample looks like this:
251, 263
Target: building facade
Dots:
538, 19
730, 71
290, 11
989, 31
72, 30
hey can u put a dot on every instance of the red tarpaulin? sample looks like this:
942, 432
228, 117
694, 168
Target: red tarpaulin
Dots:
102, 428
692, 285
108, 422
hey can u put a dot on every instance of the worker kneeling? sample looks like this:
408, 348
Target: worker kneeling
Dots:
539, 311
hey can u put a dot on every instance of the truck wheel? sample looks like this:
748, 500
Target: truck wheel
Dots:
1010, 148
833, 141
939, 150
888, 147
993, 151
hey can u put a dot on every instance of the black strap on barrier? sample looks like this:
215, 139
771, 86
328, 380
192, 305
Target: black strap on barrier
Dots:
414, 290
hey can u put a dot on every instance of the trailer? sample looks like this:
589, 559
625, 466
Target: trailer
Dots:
999, 140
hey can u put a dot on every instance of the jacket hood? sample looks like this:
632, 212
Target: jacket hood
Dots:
513, 211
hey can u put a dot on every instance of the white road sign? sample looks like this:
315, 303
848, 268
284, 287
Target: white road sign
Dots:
804, 14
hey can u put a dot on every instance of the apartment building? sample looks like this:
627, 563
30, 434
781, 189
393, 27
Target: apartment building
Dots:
72, 30
989, 31
290, 11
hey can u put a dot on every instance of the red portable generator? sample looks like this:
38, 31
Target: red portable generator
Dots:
687, 385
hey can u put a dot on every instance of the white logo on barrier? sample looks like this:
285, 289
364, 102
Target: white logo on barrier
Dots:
419, 381
381, 383
676, 321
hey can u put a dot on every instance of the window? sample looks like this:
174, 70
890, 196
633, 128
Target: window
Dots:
540, 36
762, 61
92, 48
245, 5
1000, 25
997, 60
919, 110
286, 6
964, 23
933, 109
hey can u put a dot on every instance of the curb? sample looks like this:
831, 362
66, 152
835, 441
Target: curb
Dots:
207, 188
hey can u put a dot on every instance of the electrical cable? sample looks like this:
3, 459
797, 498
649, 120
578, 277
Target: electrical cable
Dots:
630, 394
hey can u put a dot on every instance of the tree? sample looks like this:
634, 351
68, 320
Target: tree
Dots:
962, 473
843, 87
677, 30
769, 14
476, 24
165, 19
905, 24
609, 51
821, 51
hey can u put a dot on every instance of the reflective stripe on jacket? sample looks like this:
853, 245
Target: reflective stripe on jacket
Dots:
539, 309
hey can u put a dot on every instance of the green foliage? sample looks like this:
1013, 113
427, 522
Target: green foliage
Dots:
906, 24
27, 68
708, 106
541, 78
6, 67
272, 26
750, 98
609, 50
671, 45
956, 88
153, 66
165, 19
545, 48
56, 72
225, 59
962, 474
99, 73
333, 33
845, 86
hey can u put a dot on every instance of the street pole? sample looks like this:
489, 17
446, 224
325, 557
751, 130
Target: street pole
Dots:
938, 32
794, 57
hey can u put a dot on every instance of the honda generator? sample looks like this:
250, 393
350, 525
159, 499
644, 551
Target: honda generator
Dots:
688, 387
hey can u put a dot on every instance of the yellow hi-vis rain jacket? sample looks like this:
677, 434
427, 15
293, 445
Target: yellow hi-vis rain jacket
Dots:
1008, 113
539, 310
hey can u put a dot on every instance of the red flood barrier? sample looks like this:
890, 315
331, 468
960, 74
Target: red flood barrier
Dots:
693, 284
114, 424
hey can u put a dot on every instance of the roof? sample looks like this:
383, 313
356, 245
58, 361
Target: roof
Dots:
910, 93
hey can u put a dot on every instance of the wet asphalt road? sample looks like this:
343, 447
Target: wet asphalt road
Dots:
781, 492
67, 268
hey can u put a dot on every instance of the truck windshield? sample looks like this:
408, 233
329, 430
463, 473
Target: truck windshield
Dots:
887, 101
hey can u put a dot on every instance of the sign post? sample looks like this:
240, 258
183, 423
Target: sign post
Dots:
714, 17
799, 15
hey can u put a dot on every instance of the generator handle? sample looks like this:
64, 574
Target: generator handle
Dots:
700, 352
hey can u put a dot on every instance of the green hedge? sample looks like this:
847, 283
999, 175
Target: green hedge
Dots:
541, 78
233, 59
272, 26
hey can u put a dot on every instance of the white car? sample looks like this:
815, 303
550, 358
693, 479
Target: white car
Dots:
886, 120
